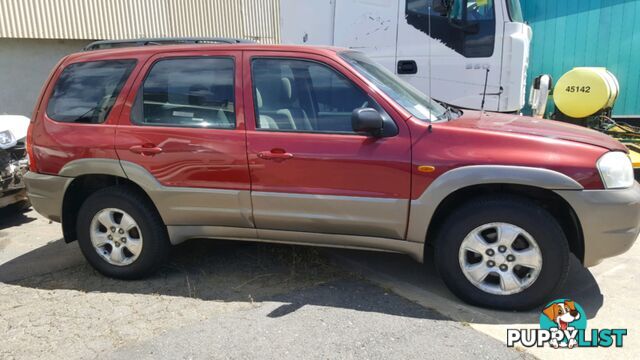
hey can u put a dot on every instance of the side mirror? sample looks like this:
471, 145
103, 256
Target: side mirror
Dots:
539, 95
367, 120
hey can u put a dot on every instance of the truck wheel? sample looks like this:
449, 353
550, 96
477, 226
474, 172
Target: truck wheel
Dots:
503, 252
121, 234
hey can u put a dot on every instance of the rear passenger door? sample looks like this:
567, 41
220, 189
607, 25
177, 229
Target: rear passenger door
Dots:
183, 129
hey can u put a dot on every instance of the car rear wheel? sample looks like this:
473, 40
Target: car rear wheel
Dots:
504, 253
121, 234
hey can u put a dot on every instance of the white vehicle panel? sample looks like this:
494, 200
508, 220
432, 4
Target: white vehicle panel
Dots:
448, 45
307, 22
456, 79
16, 124
369, 26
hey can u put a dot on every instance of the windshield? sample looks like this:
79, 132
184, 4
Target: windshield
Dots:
515, 10
410, 98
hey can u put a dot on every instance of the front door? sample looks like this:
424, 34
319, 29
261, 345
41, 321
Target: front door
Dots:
183, 133
309, 171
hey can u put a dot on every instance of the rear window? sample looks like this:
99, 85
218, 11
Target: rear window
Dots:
86, 92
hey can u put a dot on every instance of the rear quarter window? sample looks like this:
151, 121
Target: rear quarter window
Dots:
85, 92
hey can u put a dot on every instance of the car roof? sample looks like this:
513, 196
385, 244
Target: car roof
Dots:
149, 50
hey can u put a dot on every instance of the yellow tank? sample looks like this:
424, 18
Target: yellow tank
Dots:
585, 91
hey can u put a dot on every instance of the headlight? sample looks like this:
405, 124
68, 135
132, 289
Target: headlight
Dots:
6, 138
616, 170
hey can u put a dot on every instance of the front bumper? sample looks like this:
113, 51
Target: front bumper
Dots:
13, 197
610, 220
12, 185
46, 193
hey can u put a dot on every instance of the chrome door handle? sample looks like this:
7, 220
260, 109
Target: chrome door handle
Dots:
275, 155
146, 149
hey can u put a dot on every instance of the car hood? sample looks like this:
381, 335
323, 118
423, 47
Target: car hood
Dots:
537, 127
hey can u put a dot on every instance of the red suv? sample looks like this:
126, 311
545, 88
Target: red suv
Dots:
140, 148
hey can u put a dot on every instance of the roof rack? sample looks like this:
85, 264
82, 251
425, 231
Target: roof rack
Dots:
113, 44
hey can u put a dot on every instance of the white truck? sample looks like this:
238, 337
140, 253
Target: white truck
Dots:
442, 47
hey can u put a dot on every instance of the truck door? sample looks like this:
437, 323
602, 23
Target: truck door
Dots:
307, 22
369, 26
463, 38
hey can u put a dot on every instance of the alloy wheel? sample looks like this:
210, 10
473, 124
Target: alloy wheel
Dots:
116, 236
500, 258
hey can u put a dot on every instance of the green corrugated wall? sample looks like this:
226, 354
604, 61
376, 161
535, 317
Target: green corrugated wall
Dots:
570, 33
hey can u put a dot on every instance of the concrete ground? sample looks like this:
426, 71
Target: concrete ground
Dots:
214, 300
608, 293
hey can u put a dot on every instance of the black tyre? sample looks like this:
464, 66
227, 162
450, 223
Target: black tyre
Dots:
503, 252
121, 233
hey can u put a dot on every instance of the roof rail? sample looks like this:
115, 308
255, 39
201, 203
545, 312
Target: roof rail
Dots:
112, 44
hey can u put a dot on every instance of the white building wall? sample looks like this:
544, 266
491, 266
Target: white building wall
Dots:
25, 65
35, 34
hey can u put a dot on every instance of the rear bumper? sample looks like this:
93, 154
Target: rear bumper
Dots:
46, 193
610, 220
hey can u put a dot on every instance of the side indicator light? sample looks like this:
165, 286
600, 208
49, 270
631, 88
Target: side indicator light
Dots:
426, 169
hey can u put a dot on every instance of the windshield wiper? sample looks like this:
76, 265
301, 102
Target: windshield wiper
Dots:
450, 111
447, 115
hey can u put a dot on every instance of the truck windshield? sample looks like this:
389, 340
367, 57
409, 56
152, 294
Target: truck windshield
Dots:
410, 98
515, 10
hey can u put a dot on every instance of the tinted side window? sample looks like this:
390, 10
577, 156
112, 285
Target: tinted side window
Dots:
188, 92
299, 95
466, 26
421, 7
85, 92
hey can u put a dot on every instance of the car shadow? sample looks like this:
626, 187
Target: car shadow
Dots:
253, 272
421, 283
14, 215
219, 271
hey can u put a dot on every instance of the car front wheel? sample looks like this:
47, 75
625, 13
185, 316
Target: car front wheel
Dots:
504, 253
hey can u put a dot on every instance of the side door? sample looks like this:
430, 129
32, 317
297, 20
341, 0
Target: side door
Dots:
182, 134
459, 40
309, 171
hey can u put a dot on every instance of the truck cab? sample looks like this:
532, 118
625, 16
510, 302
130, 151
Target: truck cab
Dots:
448, 49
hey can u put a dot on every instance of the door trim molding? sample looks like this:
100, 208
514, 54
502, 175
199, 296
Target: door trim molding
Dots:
346, 215
179, 234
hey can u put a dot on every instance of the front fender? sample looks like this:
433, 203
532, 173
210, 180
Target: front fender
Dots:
423, 208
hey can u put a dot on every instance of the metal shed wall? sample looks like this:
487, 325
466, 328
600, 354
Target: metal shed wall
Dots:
572, 33
124, 19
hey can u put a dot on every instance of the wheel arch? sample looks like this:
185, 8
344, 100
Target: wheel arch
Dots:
454, 188
89, 176
177, 206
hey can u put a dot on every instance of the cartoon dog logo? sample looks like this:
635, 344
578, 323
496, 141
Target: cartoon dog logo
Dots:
562, 314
